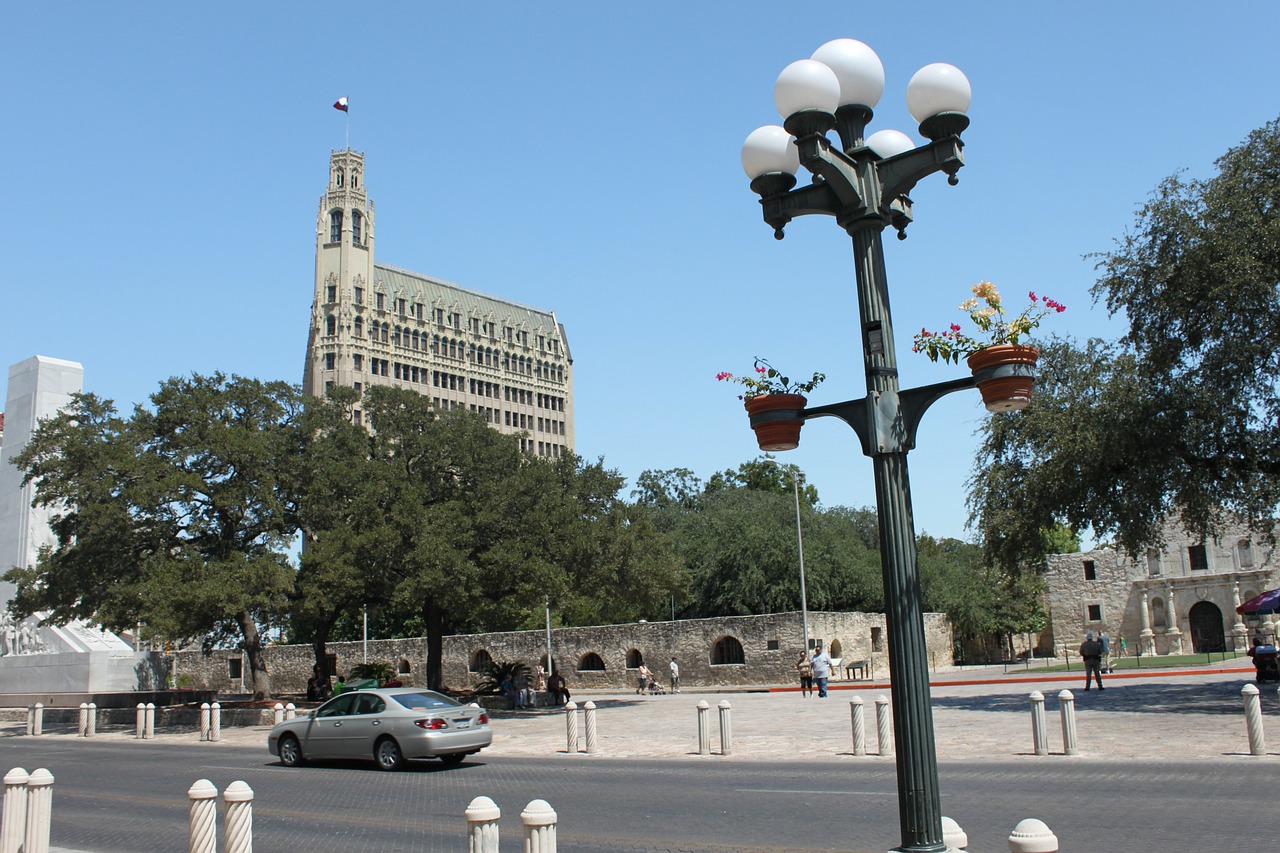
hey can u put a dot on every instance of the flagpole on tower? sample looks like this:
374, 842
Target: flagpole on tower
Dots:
341, 104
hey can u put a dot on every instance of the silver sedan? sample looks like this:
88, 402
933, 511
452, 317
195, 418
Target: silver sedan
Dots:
388, 725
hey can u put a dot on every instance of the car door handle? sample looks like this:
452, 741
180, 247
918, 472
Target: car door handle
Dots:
337, 725
377, 722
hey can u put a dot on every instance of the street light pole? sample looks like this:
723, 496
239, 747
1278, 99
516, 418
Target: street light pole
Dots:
864, 184
804, 597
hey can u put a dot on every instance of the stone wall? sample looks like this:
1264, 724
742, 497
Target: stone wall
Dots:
1179, 598
706, 650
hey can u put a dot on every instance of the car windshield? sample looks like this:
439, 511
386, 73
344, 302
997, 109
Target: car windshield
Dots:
424, 701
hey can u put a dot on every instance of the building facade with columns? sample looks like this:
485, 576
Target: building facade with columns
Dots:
373, 324
1180, 598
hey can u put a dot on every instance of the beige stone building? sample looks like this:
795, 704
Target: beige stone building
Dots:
1180, 598
374, 324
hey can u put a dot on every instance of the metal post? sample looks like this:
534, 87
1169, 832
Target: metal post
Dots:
726, 728
39, 811
571, 727
239, 820
1039, 738
13, 824
884, 744
859, 726
539, 821
704, 728
202, 817
482, 825
1253, 719
1067, 709
589, 716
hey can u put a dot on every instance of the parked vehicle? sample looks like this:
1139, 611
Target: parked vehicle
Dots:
387, 725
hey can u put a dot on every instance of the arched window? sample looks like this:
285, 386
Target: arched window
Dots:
355, 225
435, 344
1159, 618
480, 661
1245, 549
359, 326
355, 180
835, 649
331, 325
591, 662
395, 337
386, 332
727, 650
335, 226
634, 659
403, 667
337, 178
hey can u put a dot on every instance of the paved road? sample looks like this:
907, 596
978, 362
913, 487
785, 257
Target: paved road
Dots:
1163, 758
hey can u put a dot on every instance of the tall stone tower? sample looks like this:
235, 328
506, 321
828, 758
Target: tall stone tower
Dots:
344, 272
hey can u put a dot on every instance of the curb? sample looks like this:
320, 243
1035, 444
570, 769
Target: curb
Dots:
1164, 673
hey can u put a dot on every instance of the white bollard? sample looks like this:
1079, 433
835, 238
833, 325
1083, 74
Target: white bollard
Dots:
539, 821
589, 716
83, 725
13, 823
726, 728
37, 724
1032, 836
1067, 709
279, 714
884, 740
1253, 719
953, 836
290, 711
39, 811
92, 729
204, 720
151, 720
202, 818
142, 721
482, 825
215, 722
859, 726
571, 727
1039, 737
704, 728
238, 826
31, 719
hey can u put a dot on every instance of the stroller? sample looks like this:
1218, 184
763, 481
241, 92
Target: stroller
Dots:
656, 688
1266, 663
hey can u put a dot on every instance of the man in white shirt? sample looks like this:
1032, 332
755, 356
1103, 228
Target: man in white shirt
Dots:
675, 676
821, 671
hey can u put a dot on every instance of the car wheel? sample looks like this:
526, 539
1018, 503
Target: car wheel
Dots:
290, 751
387, 754
454, 758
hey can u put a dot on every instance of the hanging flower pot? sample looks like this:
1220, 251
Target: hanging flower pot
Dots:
1005, 375
776, 419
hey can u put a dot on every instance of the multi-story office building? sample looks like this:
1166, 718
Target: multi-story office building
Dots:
374, 324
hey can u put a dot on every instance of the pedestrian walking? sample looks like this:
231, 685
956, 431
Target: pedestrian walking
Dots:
675, 676
643, 676
821, 671
1105, 642
1091, 653
805, 668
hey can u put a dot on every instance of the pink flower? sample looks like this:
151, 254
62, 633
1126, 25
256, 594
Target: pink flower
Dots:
723, 375
1032, 294
760, 370
955, 327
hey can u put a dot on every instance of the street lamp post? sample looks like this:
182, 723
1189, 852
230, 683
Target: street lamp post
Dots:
804, 598
864, 184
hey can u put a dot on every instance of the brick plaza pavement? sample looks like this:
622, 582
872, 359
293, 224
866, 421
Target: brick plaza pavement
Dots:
983, 715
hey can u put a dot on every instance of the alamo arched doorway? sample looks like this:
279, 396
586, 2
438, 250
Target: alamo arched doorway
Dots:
1206, 628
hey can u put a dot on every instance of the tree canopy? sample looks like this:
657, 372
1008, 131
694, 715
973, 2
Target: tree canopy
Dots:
1182, 415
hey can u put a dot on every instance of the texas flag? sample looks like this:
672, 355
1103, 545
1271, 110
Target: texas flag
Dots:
341, 104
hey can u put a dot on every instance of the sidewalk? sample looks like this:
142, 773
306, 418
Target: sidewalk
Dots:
978, 715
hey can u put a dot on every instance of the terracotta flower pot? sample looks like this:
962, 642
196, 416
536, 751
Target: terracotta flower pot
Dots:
1005, 375
777, 419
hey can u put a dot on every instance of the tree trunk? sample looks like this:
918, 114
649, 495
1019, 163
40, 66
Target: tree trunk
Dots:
319, 644
434, 617
258, 675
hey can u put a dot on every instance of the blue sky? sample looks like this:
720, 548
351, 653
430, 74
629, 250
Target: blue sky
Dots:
164, 163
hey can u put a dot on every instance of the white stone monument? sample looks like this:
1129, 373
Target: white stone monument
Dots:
37, 658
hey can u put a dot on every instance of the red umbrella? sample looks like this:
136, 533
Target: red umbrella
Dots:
1267, 602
